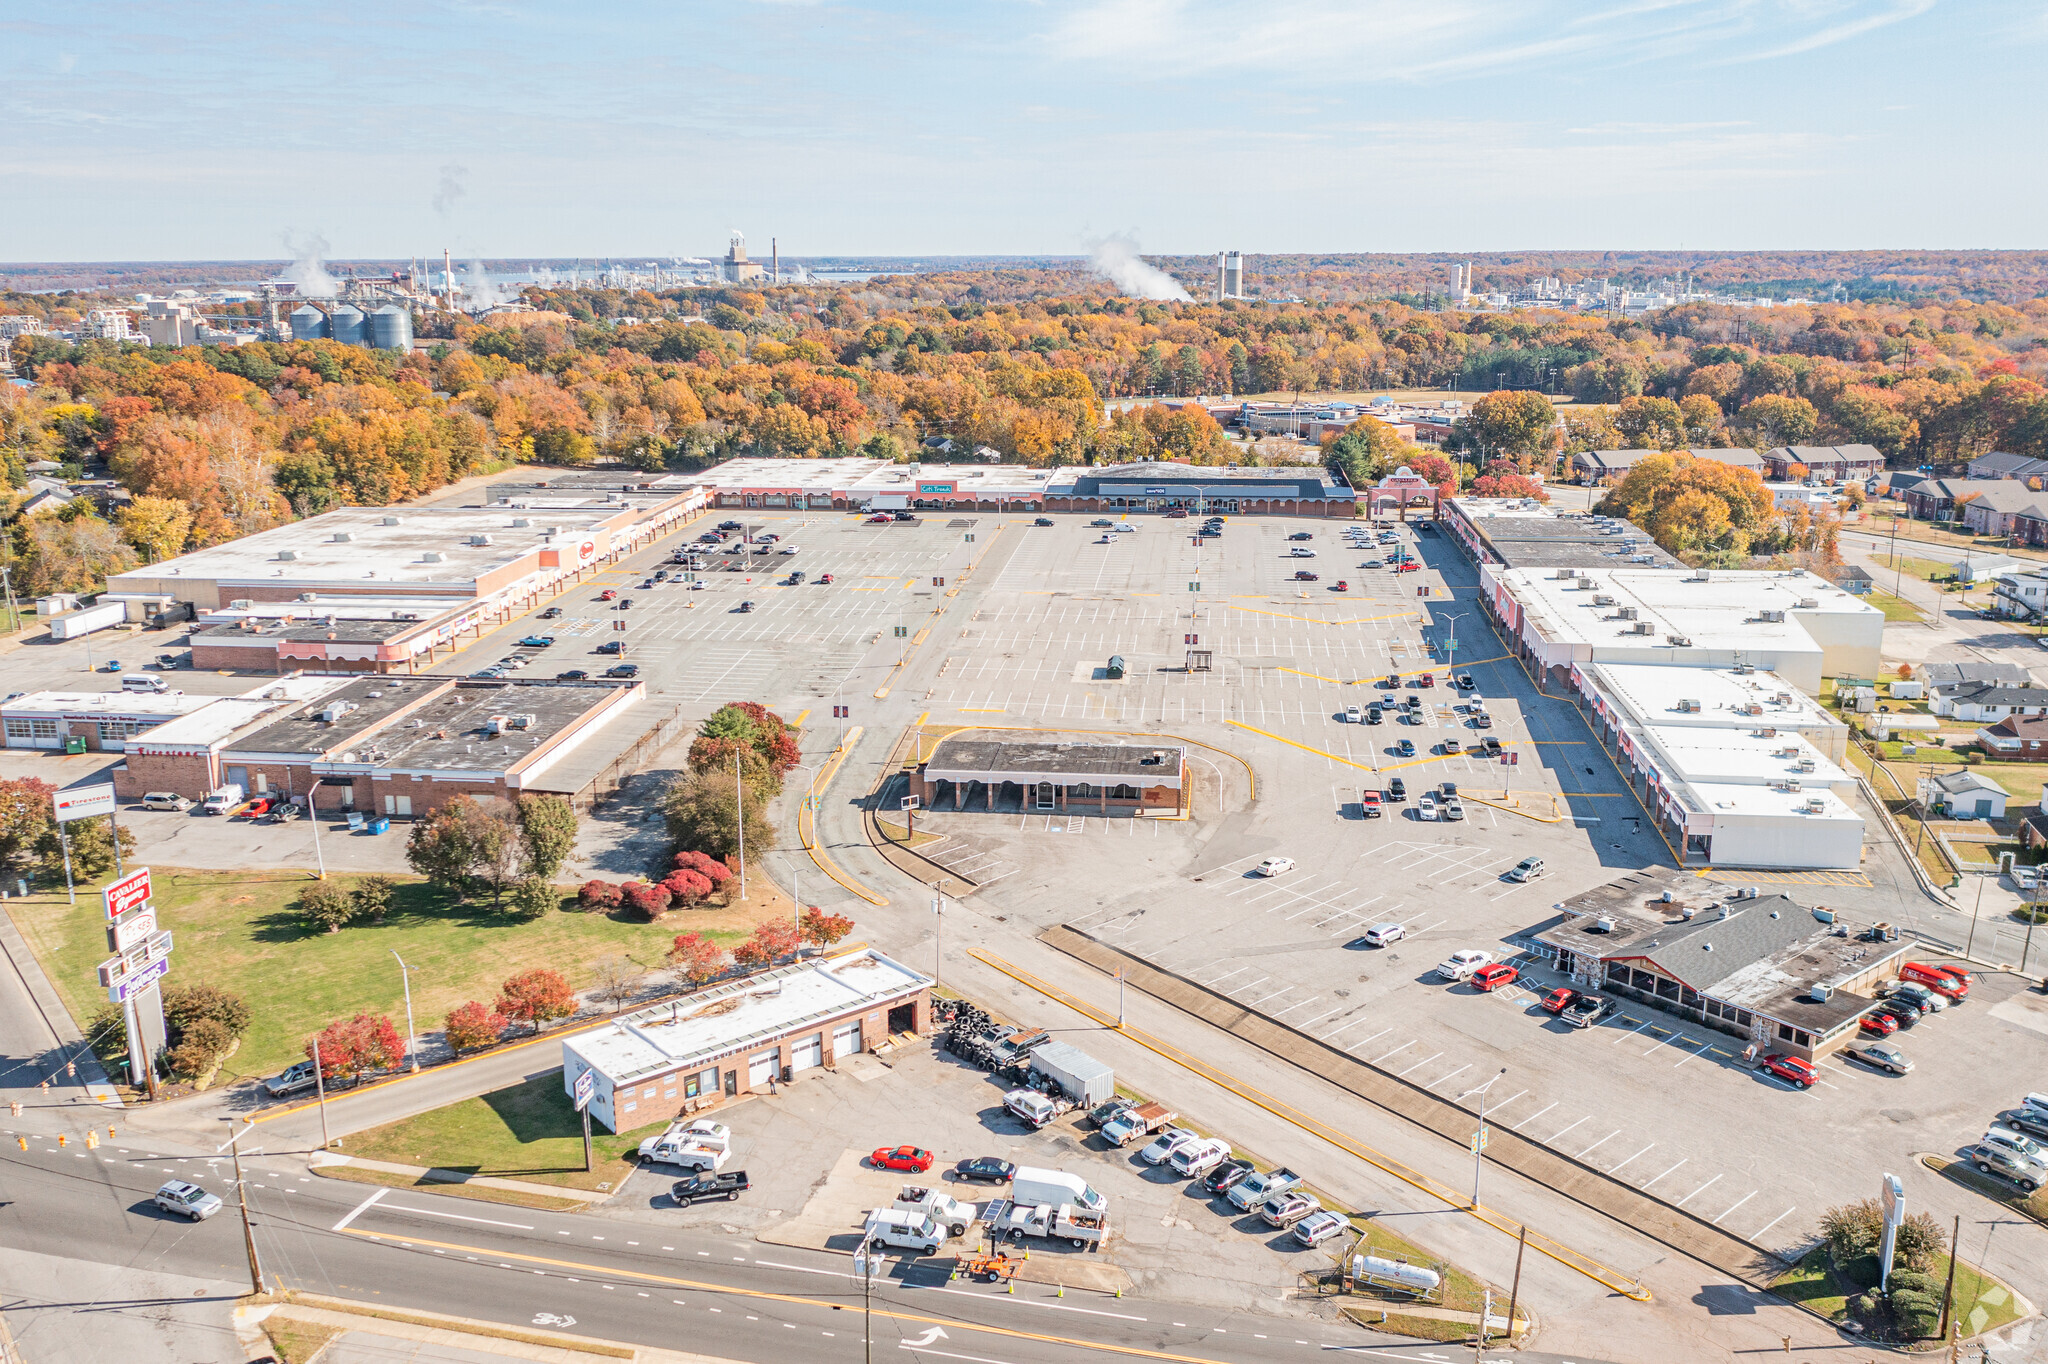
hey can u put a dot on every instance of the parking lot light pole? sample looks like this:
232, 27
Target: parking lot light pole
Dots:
411, 1039
1479, 1138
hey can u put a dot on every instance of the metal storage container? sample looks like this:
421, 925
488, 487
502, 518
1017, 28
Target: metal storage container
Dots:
391, 328
1080, 1076
309, 323
347, 325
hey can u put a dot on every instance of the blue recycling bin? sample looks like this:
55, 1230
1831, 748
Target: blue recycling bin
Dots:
380, 825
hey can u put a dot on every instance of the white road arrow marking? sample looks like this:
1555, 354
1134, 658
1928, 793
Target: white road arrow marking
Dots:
935, 1333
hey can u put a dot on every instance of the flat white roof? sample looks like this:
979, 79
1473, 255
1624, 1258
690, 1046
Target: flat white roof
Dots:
1765, 802
230, 714
867, 476
1722, 696
1738, 757
1717, 610
742, 1014
381, 553
88, 703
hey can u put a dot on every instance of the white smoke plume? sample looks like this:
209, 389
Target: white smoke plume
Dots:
1116, 259
308, 270
482, 292
450, 189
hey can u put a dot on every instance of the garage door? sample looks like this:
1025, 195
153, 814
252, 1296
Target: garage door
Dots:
808, 1053
759, 1068
846, 1039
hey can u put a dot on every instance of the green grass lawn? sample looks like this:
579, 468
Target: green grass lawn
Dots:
528, 1132
1894, 608
1981, 1302
238, 930
1811, 1284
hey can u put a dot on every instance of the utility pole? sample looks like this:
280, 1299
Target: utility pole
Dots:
1515, 1292
938, 933
739, 809
864, 1265
256, 1284
320, 1088
1948, 1292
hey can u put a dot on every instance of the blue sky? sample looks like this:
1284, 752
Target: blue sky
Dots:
181, 130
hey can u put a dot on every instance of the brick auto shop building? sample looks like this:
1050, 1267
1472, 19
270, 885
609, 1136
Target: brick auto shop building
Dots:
1025, 774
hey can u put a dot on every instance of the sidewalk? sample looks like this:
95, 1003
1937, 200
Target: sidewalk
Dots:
323, 1159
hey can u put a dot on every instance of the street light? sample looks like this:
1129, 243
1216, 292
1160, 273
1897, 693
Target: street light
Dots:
1479, 1137
411, 1039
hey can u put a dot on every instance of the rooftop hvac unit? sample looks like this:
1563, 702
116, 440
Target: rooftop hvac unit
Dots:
1688, 706
1809, 603
1563, 574
239, 604
1816, 805
1808, 765
479, 539
1625, 613
1603, 600
1585, 584
344, 536
1643, 627
1664, 896
1767, 734
1746, 893
389, 521
521, 721
1771, 616
309, 596
495, 725
1603, 924
433, 556
1820, 994
1643, 559
520, 523
288, 555
334, 710
1783, 698
1743, 670
1678, 641
1752, 708
1788, 784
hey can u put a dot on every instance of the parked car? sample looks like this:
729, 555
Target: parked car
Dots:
1320, 1226
1372, 715
880, 519
572, 675
1452, 748
608, 595
1490, 978
1397, 790
1302, 535
1558, 1000
1032, 1107
1105, 1113
1790, 1069
1463, 681
552, 613
1426, 807
2032, 1121
1528, 869
1354, 715
1931, 1001
1586, 1010
536, 641
1342, 586
1197, 1158
824, 580
1945, 981
292, 1080
1903, 1012
746, 608
1043, 521
1274, 866
1284, 1210
1383, 935
1405, 748
1369, 804
1481, 720
166, 800
2017, 1143
727, 1184
1878, 1024
1490, 746
1999, 1162
984, 1170
1304, 576
915, 1159
1453, 808
1882, 1055
1162, 1147
1226, 1176
1461, 965
187, 1200
623, 670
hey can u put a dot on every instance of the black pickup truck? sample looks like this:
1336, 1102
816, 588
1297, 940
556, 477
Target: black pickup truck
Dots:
709, 1184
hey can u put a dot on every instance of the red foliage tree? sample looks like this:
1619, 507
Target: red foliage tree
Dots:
1508, 485
825, 929
650, 900
474, 1025
598, 897
353, 1047
536, 996
687, 886
696, 958
773, 939
705, 865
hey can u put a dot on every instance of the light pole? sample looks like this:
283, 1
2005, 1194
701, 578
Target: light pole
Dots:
1451, 649
1479, 1137
739, 810
864, 1265
411, 1041
938, 928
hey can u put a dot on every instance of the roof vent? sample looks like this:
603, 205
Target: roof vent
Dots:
1664, 897
433, 556
1809, 604
344, 536
309, 596
388, 521
520, 523
1679, 641
479, 539
1706, 947
288, 555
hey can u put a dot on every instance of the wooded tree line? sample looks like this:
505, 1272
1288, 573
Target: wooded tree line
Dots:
214, 443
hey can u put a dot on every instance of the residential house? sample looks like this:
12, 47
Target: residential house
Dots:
1934, 499
2030, 527
1991, 508
1976, 670
2017, 738
1599, 466
1824, 463
2021, 592
1982, 702
1964, 795
1850, 579
1982, 568
2034, 827
2004, 466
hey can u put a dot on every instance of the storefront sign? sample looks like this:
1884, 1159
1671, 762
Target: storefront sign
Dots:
130, 929
140, 981
115, 970
83, 802
127, 893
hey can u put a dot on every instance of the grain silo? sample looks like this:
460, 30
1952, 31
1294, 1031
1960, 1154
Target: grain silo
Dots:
348, 325
309, 323
391, 328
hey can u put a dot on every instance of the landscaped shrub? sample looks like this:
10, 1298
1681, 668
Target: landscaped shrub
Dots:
647, 899
598, 897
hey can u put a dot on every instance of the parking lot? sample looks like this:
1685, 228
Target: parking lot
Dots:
802, 1146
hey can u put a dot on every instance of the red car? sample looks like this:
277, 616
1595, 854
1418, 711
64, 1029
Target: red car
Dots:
880, 519
824, 580
607, 595
1790, 1068
1369, 803
1410, 566
1560, 999
1494, 976
1428, 680
915, 1159
1879, 1025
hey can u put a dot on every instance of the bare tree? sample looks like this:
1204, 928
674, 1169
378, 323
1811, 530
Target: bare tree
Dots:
614, 979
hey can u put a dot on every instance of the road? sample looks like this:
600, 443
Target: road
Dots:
729, 1297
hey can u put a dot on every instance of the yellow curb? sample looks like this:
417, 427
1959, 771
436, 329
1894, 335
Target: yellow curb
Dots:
808, 835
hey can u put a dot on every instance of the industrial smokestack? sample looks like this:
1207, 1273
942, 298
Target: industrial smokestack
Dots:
1221, 288
775, 259
447, 279
1233, 275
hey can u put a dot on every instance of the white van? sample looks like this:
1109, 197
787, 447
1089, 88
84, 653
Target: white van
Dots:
222, 800
905, 1230
148, 682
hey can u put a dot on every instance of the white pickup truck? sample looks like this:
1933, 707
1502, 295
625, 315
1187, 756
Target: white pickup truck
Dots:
1078, 1228
699, 1145
949, 1212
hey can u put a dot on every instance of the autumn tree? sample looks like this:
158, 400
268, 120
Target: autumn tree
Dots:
696, 959
1779, 420
156, 526
327, 905
473, 1025
1516, 423
822, 929
91, 848
649, 900
1651, 423
547, 824
598, 897
536, 997
25, 813
467, 844
358, 1046
703, 813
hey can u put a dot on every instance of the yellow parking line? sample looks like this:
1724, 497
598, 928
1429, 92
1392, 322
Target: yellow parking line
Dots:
800, 717
1320, 753
982, 710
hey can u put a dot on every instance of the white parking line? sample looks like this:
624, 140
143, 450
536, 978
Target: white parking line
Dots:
1630, 1033
1702, 1189
1423, 1062
1758, 1233
1648, 1182
1383, 1056
1612, 1168
1555, 1136
1705, 1047
1516, 1127
1589, 1150
1441, 1078
1733, 1206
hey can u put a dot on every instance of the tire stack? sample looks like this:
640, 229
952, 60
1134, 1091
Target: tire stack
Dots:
972, 1036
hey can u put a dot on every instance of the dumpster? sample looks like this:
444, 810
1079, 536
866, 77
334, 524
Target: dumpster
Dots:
1115, 671
74, 745
381, 824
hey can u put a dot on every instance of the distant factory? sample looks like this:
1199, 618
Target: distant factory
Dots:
386, 328
1229, 275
